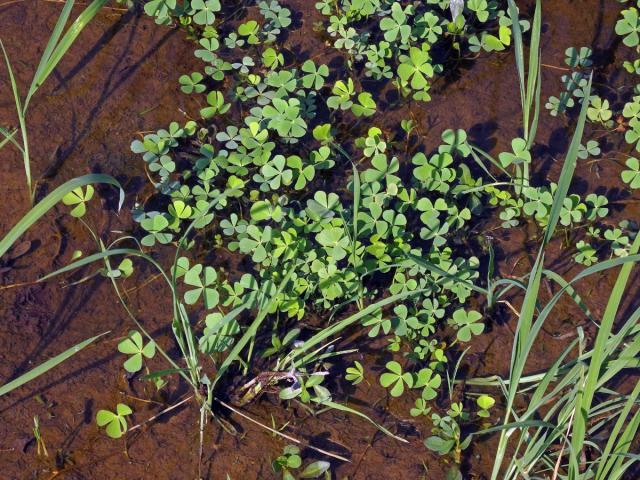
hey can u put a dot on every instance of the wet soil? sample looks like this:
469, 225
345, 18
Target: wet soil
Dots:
121, 78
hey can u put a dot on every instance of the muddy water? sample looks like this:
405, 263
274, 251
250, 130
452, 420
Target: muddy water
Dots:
121, 78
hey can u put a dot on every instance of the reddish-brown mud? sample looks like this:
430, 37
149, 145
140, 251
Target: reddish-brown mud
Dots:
121, 78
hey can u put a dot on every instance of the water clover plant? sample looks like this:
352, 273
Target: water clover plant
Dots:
315, 75
599, 110
415, 70
579, 61
291, 460
115, 423
467, 324
392, 40
355, 374
396, 379
192, 83
205, 11
286, 173
631, 176
134, 346
629, 27
78, 198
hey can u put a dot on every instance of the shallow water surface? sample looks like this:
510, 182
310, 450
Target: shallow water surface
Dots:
121, 79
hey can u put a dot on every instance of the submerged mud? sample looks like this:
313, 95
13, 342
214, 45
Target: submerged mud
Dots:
121, 78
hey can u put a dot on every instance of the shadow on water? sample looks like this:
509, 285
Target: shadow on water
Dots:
115, 78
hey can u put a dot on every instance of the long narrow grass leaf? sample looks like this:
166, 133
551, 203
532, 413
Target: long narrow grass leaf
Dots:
50, 201
606, 326
519, 50
57, 49
9, 137
46, 366
51, 44
533, 75
252, 330
613, 445
344, 408
569, 166
21, 120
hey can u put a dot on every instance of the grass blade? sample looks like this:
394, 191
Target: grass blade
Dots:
519, 53
530, 82
21, 120
8, 137
53, 40
46, 366
251, 332
344, 408
55, 49
570, 291
474, 153
524, 335
619, 445
606, 326
533, 76
50, 201
569, 166
81, 262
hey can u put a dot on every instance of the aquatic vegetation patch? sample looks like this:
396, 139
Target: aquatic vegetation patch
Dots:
297, 214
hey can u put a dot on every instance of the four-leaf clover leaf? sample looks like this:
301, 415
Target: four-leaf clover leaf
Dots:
155, 225
467, 324
395, 25
629, 26
335, 242
632, 176
205, 11
396, 379
315, 76
79, 198
416, 68
205, 285
191, 83
599, 110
